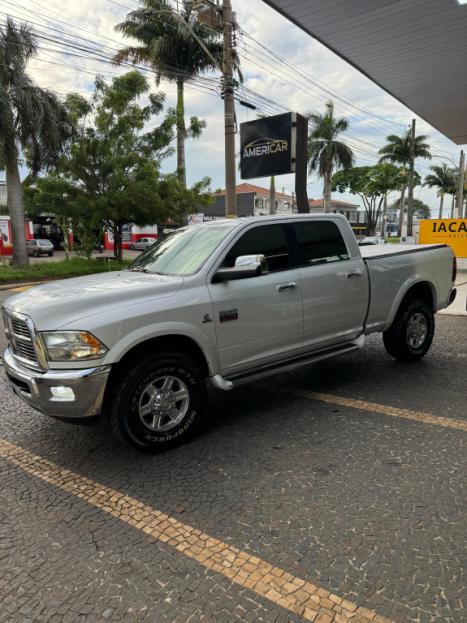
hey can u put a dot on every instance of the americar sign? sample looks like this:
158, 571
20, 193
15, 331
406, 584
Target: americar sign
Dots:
446, 231
267, 146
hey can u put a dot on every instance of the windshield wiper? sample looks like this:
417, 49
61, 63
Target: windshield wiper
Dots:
139, 269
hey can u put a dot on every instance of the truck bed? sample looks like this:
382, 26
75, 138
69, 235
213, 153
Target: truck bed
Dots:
373, 251
393, 268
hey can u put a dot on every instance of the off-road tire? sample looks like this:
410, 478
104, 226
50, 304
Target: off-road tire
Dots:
126, 391
396, 338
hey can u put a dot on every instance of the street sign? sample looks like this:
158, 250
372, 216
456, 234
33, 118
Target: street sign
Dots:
267, 146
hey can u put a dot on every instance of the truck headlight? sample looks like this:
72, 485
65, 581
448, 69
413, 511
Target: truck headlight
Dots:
72, 345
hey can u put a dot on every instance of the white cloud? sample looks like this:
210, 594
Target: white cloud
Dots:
97, 18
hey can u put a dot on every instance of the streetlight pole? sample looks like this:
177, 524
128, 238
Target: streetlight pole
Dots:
229, 112
411, 176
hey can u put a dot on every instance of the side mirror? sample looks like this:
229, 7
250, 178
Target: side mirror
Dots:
245, 266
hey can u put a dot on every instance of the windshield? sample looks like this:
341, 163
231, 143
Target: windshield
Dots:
183, 252
43, 241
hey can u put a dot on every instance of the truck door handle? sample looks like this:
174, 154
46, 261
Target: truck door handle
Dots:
287, 286
355, 273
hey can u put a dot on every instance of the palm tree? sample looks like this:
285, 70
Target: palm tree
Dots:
325, 153
444, 179
398, 151
32, 120
174, 45
388, 178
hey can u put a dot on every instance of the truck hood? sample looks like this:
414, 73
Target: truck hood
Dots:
55, 304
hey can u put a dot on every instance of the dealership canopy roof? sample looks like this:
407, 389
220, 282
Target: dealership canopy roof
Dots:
414, 49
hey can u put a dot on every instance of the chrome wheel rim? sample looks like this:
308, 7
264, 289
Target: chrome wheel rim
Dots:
163, 403
417, 330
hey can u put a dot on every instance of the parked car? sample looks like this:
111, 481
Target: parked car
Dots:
41, 246
371, 240
230, 301
142, 244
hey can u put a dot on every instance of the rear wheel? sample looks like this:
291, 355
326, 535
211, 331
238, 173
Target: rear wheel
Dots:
159, 402
410, 335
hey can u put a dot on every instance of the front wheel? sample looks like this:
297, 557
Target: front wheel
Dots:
159, 402
410, 335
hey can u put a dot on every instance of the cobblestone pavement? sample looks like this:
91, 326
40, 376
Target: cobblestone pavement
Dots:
363, 504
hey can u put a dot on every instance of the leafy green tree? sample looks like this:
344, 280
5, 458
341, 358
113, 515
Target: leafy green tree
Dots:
444, 179
325, 152
174, 45
110, 175
389, 178
57, 197
398, 151
372, 185
420, 209
31, 119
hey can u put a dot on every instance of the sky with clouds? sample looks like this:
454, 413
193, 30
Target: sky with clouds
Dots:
297, 82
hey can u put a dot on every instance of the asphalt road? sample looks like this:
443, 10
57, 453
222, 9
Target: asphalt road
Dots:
363, 502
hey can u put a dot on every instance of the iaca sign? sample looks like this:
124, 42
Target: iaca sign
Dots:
447, 231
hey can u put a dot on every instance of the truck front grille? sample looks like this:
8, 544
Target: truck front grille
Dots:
20, 338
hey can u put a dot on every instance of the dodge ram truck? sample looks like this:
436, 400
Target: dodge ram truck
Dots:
230, 301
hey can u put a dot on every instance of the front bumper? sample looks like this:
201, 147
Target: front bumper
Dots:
35, 388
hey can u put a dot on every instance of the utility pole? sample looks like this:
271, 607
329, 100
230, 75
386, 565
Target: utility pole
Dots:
229, 111
411, 177
221, 18
460, 186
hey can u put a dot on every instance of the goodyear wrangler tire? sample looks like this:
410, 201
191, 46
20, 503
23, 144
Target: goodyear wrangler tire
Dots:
410, 335
159, 402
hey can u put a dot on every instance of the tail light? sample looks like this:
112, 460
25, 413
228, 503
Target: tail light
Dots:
454, 269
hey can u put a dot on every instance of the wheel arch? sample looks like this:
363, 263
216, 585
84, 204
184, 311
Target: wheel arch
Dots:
422, 289
174, 342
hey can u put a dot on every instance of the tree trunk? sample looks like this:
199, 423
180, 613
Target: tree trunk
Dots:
383, 218
272, 196
181, 133
441, 201
16, 210
401, 211
327, 192
118, 252
452, 205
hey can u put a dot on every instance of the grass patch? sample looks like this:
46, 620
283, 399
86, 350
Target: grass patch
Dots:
57, 270
393, 239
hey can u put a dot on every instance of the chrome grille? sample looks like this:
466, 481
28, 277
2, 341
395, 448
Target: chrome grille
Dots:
19, 328
20, 338
25, 349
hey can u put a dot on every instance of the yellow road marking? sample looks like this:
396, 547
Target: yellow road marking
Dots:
275, 584
21, 288
417, 416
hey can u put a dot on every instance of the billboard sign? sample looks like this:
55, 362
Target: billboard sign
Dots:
267, 146
445, 231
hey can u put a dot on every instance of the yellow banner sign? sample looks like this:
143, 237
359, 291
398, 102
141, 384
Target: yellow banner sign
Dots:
446, 231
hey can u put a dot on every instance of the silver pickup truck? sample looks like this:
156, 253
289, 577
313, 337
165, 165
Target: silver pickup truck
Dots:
230, 301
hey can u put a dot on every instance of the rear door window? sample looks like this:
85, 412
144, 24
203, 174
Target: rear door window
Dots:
269, 240
319, 242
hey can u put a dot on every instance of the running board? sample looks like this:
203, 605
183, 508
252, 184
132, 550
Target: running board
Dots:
284, 366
